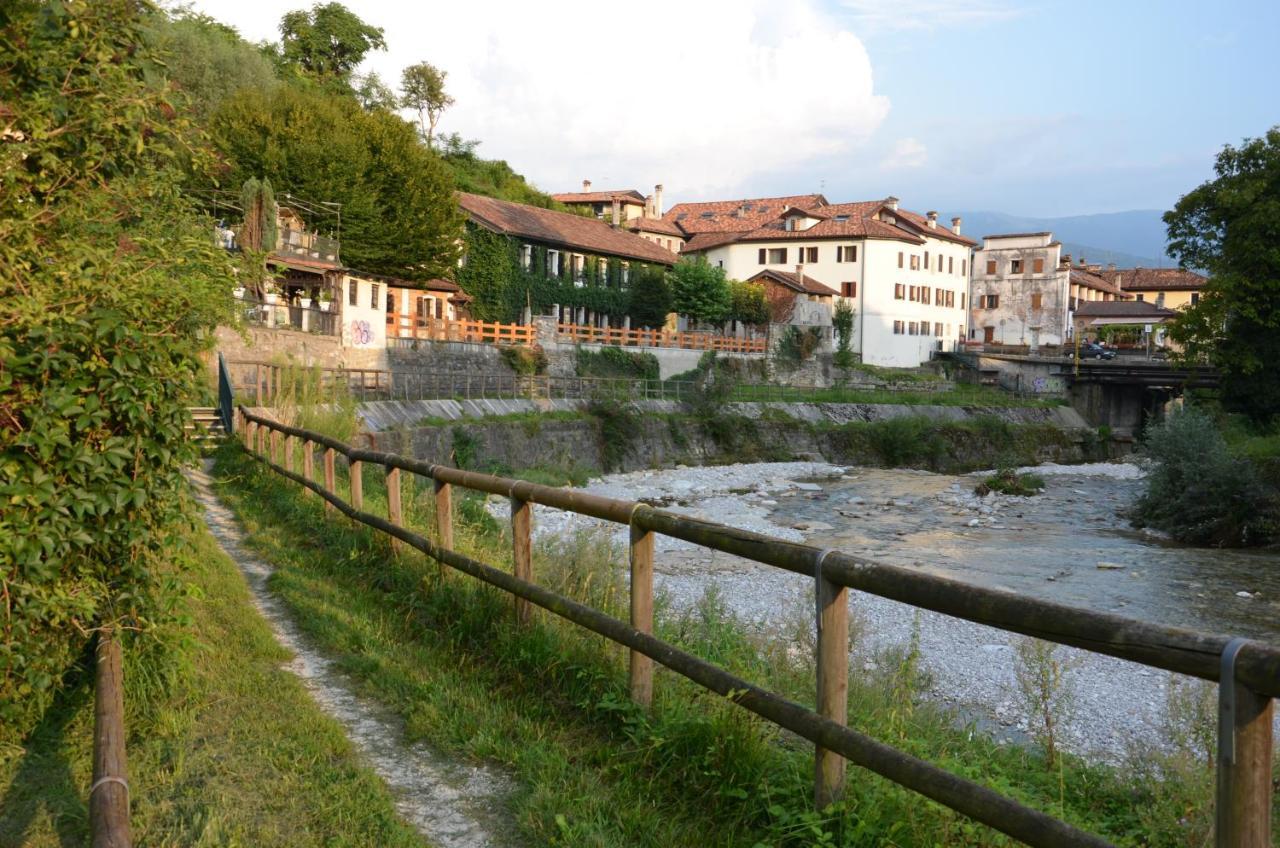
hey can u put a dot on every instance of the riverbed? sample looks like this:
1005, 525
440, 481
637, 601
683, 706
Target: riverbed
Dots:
1071, 544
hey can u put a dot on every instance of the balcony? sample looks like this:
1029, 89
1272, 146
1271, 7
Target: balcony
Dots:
307, 245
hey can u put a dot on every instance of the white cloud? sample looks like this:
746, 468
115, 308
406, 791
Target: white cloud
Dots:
890, 15
701, 96
907, 153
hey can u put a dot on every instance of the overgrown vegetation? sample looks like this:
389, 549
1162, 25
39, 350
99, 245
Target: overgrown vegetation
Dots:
620, 428
1007, 481
616, 362
842, 322
525, 360
943, 446
226, 746
797, 345
98, 344
593, 769
1200, 492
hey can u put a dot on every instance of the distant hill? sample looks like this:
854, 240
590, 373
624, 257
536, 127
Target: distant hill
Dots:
1128, 239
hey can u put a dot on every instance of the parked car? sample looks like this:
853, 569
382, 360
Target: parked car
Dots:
1093, 350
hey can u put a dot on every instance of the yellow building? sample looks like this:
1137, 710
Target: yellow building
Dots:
1172, 288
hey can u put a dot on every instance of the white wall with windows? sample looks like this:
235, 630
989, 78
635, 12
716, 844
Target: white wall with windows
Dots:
364, 312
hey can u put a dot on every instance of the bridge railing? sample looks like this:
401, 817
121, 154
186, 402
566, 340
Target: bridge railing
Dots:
1248, 672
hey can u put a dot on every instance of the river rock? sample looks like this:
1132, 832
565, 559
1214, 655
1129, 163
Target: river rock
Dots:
812, 525
1109, 566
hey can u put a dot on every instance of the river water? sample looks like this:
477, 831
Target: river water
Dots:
1071, 544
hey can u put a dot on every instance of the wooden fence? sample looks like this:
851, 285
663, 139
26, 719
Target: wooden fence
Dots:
1248, 672
109, 792
481, 332
584, 334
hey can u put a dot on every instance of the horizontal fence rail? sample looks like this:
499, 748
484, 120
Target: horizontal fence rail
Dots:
1252, 677
619, 337
284, 315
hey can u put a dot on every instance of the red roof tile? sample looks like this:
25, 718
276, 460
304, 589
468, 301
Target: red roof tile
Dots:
561, 229
1158, 279
723, 216
796, 282
1122, 309
654, 225
1089, 280
625, 195
940, 231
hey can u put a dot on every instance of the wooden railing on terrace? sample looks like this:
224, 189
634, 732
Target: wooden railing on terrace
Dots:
1248, 672
480, 332
585, 334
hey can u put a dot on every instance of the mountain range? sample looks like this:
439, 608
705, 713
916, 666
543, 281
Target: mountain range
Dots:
1129, 239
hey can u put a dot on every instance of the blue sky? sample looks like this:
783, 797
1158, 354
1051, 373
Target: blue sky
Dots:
1031, 107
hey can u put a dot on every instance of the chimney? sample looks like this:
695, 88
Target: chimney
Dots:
955, 225
1111, 266
800, 273
649, 208
657, 200
586, 185
1066, 259
892, 203
933, 219
617, 211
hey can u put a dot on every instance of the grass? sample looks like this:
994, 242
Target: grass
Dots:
548, 704
1007, 481
962, 394
224, 748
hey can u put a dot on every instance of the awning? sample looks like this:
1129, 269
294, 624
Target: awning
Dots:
1147, 319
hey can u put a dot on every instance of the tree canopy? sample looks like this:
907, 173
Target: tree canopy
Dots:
700, 290
422, 90
1230, 227
327, 42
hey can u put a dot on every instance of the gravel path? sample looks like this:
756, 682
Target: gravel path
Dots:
452, 805
1118, 707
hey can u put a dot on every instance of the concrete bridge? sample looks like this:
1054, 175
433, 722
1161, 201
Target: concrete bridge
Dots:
1122, 394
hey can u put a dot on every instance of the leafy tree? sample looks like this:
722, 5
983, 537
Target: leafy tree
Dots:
208, 60
650, 300
373, 93
328, 42
699, 290
842, 323
1230, 226
398, 213
748, 303
112, 284
422, 90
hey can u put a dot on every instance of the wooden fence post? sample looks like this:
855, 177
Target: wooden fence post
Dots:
355, 474
1243, 812
522, 552
288, 453
444, 514
329, 483
109, 794
394, 515
833, 681
641, 667
251, 436
308, 464
275, 446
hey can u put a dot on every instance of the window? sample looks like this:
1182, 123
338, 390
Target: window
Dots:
763, 253
926, 260
993, 301
391, 301
1195, 298
807, 254
1037, 301
899, 258
353, 293
897, 328
373, 299
937, 329
849, 253
962, 300
914, 294
915, 262
526, 256
1037, 266
439, 307
925, 295
849, 289
964, 267
777, 256
1141, 298
951, 264
1015, 266
899, 292
991, 267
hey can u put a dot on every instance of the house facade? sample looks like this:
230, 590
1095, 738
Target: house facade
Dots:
1093, 317
1172, 288
630, 210
904, 274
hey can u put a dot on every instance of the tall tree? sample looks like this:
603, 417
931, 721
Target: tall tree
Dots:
422, 89
373, 93
699, 290
327, 42
1230, 227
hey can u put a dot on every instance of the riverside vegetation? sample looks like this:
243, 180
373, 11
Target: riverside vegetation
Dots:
591, 769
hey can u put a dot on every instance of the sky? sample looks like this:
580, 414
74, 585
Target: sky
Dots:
1029, 107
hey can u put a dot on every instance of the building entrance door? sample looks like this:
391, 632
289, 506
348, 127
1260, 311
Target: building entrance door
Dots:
988, 335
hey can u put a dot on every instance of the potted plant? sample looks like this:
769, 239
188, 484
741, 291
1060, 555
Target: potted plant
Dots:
270, 295
305, 302
325, 298
238, 292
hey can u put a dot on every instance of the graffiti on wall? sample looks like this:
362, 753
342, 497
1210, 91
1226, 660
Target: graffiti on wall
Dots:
361, 334
1048, 385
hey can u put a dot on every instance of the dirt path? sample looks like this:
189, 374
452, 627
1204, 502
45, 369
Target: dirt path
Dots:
452, 805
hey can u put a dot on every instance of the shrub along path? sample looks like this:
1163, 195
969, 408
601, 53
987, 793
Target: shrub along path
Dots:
453, 805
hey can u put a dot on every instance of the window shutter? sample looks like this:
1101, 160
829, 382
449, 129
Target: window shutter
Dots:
762, 255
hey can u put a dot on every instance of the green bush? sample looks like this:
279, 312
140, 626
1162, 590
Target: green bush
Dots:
1007, 481
1198, 491
616, 362
525, 360
619, 429
111, 284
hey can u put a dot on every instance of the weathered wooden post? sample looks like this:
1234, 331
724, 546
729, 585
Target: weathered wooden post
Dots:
275, 446
641, 667
251, 437
444, 514
522, 552
355, 473
329, 483
833, 680
109, 794
308, 465
394, 515
1243, 812
288, 453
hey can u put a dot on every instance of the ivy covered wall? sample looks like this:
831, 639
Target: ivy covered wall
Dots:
493, 275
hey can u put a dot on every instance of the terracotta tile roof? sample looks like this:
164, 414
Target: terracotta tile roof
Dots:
706, 241
922, 223
302, 263
1158, 279
796, 282
625, 195
654, 225
722, 216
1122, 309
1081, 277
561, 229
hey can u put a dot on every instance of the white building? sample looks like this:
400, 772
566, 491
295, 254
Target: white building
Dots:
906, 276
